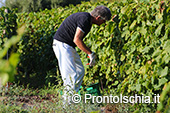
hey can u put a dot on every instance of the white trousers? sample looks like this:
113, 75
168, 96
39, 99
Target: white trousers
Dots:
70, 65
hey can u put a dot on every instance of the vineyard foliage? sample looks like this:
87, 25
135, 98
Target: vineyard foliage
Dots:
133, 49
37, 5
8, 58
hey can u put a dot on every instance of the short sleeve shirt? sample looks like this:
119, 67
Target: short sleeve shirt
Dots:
67, 29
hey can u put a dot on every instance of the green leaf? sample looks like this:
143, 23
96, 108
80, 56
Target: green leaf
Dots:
94, 111
166, 33
129, 70
162, 72
134, 36
159, 58
14, 59
162, 81
146, 83
167, 46
165, 91
153, 79
159, 18
4, 78
143, 31
160, 106
133, 25
126, 33
148, 23
166, 59
133, 48
146, 49
138, 87
3, 52
124, 9
156, 53
106, 34
136, 111
122, 57
115, 83
158, 30
143, 70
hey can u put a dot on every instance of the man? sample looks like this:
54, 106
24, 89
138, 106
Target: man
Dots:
69, 35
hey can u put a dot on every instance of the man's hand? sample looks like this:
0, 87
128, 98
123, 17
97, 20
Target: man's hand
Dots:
92, 57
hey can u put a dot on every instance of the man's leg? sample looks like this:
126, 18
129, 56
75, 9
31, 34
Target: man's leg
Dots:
71, 68
80, 72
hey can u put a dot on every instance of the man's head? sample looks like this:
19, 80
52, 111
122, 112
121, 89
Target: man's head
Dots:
102, 13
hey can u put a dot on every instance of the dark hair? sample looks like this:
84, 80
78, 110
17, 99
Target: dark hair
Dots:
102, 11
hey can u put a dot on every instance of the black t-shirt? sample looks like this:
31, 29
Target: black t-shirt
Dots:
67, 29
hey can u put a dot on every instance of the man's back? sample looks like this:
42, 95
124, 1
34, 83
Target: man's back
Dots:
67, 29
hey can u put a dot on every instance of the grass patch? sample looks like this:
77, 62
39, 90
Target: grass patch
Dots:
19, 99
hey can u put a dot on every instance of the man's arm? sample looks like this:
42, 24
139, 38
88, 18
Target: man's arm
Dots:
78, 41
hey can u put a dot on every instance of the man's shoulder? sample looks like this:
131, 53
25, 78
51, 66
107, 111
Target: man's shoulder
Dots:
81, 14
